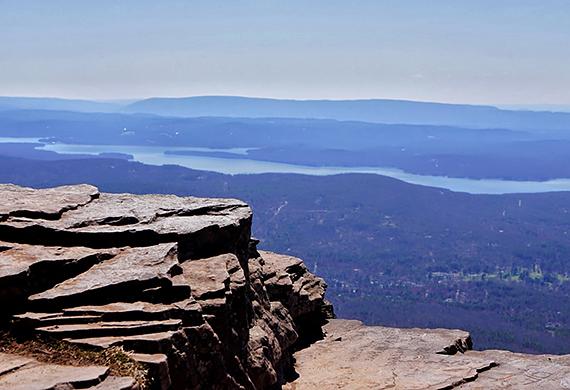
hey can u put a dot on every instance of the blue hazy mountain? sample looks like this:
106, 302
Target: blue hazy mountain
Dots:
420, 149
373, 110
48, 103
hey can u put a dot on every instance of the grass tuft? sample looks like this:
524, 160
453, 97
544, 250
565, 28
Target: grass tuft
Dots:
49, 350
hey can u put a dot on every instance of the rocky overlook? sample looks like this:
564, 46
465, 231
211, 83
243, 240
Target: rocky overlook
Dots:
179, 284
177, 281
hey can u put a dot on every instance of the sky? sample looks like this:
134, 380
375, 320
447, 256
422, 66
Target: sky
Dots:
461, 51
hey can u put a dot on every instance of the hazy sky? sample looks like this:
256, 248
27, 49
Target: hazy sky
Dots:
474, 51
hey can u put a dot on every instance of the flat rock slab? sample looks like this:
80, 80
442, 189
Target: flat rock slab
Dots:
49, 203
28, 269
18, 259
354, 356
117, 383
129, 272
522, 371
187, 309
149, 342
209, 278
33, 375
116, 220
10, 362
119, 328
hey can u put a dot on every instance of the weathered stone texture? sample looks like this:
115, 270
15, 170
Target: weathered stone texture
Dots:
165, 277
354, 356
21, 373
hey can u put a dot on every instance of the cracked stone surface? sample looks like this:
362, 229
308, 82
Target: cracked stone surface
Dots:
21, 373
47, 203
202, 227
164, 277
354, 356
129, 271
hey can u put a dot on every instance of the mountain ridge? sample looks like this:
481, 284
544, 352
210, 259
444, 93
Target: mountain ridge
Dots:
389, 111
368, 110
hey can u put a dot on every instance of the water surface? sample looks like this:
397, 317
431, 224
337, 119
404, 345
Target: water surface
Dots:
155, 155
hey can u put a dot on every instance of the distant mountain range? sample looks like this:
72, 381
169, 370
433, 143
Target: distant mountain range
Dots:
35, 103
372, 110
458, 152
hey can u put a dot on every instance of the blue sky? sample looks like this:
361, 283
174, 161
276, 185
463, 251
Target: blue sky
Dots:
472, 51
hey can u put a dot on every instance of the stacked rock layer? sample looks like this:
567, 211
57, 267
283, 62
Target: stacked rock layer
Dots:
177, 281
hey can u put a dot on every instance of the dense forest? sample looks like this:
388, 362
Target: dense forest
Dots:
392, 253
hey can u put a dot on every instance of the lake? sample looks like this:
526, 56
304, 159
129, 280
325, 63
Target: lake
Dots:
155, 155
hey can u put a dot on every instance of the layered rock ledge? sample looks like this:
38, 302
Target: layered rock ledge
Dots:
179, 284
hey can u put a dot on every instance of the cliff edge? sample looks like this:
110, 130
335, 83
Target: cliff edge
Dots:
177, 281
179, 285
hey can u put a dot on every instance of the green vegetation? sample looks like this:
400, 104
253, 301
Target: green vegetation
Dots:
496, 266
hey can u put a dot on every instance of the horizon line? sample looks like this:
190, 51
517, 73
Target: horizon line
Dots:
503, 106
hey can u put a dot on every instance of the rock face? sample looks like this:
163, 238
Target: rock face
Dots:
177, 281
22, 373
354, 356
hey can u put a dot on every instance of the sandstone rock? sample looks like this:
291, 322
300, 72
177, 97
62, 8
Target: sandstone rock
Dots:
354, 356
37, 320
48, 203
100, 329
10, 362
157, 364
167, 278
188, 310
209, 277
521, 371
17, 372
144, 343
26, 269
117, 383
126, 275
288, 281
200, 226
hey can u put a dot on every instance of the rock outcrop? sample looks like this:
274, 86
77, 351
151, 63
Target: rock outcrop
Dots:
354, 356
177, 281
23, 373
180, 285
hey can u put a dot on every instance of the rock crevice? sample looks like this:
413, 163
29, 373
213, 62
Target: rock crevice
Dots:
176, 281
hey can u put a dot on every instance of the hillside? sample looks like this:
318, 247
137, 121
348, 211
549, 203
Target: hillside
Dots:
177, 288
372, 110
457, 152
393, 253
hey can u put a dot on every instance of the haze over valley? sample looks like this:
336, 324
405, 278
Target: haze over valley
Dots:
394, 253
284, 195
